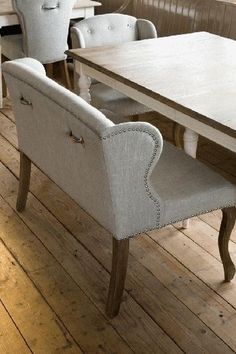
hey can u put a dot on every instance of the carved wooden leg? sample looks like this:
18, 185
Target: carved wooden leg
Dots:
65, 74
25, 169
84, 87
118, 274
82, 82
227, 225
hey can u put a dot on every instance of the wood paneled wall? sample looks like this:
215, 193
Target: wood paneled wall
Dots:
182, 16
109, 6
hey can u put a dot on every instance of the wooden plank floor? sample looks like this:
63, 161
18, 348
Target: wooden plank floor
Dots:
55, 264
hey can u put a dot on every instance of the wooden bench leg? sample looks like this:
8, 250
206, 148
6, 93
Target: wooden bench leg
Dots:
4, 87
24, 182
227, 225
49, 70
64, 72
118, 275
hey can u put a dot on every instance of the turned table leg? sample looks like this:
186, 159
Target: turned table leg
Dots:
82, 82
190, 147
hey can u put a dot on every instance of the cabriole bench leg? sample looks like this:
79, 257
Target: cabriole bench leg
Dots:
118, 275
227, 225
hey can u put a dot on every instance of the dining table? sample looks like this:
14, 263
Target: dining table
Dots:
189, 78
8, 17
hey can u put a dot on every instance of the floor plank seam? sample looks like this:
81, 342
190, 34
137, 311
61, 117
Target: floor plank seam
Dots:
12, 319
205, 324
65, 270
39, 291
199, 245
189, 270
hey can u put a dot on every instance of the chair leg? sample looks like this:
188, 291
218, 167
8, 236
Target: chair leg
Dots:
227, 225
177, 135
118, 275
134, 118
24, 182
49, 70
65, 74
4, 87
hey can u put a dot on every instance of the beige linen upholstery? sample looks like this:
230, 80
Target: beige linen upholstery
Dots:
45, 25
111, 29
121, 174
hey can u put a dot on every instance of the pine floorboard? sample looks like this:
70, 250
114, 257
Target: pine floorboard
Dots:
55, 265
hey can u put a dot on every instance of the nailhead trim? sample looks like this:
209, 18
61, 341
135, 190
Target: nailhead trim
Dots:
178, 220
155, 201
158, 226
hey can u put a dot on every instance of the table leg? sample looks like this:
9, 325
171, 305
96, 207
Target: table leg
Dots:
82, 82
190, 147
190, 142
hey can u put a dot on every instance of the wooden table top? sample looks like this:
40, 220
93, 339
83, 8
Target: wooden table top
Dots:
6, 5
193, 73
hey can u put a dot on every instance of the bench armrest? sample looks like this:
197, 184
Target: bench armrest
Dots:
131, 151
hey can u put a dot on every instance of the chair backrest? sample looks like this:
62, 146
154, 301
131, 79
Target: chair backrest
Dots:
45, 26
102, 166
110, 29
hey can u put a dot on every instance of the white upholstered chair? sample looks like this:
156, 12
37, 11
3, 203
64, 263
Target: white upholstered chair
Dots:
112, 29
45, 26
122, 175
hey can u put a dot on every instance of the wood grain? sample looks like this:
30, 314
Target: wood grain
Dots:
227, 225
30, 311
120, 257
11, 340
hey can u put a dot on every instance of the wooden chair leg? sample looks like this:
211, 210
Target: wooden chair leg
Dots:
24, 182
177, 135
4, 86
227, 225
118, 275
49, 70
134, 118
65, 74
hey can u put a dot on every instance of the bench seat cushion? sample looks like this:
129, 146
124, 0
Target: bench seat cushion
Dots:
187, 187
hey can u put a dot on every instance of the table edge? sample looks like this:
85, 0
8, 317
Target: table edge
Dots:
198, 116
